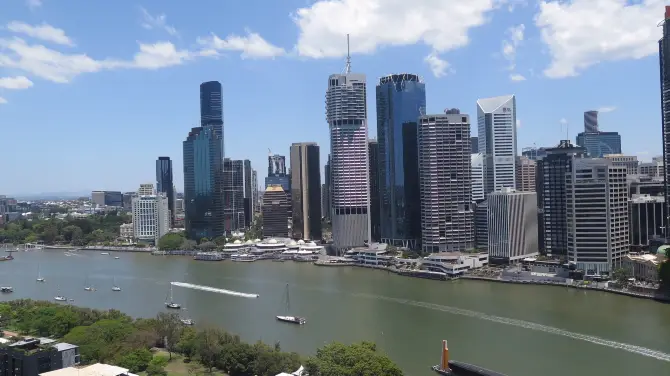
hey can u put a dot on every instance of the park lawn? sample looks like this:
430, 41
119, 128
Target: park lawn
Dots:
177, 367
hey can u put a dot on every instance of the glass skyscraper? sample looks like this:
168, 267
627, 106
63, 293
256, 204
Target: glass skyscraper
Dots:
164, 183
203, 188
211, 108
664, 64
401, 99
598, 144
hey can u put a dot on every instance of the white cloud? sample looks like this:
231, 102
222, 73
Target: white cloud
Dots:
441, 24
44, 31
563, 121
513, 4
518, 123
440, 67
17, 83
34, 3
509, 46
3, 100
150, 22
517, 77
155, 56
606, 109
250, 46
582, 33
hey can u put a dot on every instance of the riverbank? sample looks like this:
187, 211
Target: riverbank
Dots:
103, 248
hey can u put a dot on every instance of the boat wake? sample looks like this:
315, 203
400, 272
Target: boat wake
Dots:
527, 325
214, 289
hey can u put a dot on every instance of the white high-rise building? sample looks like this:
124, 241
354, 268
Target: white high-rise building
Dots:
597, 214
512, 225
146, 189
151, 217
477, 167
346, 114
496, 120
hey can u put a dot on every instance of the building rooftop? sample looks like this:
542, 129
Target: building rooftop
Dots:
489, 105
97, 369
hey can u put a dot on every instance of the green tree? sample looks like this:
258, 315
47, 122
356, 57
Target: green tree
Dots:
621, 275
170, 242
359, 359
187, 344
208, 347
664, 274
73, 234
157, 367
136, 360
168, 328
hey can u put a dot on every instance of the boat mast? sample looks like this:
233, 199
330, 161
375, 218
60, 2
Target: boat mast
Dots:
288, 300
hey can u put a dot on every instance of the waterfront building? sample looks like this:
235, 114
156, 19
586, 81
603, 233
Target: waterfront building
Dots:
127, 231
346, 114
401, 99
496, 127
481, 226
454, 264
629, 161
552, 171
233, 195
34, 356
643, 267
254, 193
477, 167
445, 182
203, 185
165, 183
597, 214
512, 226
653, 168
146, 189
525, 174
276, 212
647, 218
326, 197
211, 109
375, 215
151, 217
277, 172
306, 191
474, 141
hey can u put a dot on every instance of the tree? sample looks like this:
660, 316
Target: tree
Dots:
136, 360
170, 242
621, 275
208, 347
207, 246
664, 274
168, 329
187, 344
359, 359
73, 234
156, 366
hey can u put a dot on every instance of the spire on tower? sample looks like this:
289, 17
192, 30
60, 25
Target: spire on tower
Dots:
347, 69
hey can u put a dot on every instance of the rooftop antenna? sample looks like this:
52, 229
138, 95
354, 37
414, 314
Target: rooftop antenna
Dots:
347, 70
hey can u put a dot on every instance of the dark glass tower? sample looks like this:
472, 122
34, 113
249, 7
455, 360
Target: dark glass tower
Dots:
164, 183
306, 191
203, 184
373, 160
248, 193
664, 60
401, 99
233, 195
211, 108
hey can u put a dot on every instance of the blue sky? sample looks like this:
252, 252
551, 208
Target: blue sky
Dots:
92, 92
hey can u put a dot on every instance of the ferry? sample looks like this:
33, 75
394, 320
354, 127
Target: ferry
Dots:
454, 368
6, 289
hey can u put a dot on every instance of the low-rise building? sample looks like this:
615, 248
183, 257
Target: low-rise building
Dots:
454, 263
98, 369
644, 267
126, 231
34, 356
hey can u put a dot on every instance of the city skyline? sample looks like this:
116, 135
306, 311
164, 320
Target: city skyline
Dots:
153, 97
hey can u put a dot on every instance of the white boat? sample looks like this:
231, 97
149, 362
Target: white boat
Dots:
116, 258
115, 287
104, 253
291, 319
39, 276
169, 302
6, 289
60, 298
87, 286
187, 322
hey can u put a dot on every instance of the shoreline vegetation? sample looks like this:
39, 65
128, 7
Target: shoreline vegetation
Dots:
162, 346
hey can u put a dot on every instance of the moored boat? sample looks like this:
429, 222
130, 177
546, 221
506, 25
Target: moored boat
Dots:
290, 319
455, 368
6, 289
7, 258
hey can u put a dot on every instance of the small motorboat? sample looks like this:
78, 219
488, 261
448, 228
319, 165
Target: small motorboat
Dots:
60, 298
6, 289
187, 322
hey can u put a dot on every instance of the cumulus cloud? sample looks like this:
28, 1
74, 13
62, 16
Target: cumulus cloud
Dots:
582, 33
158, 22
443, 25
438, 66
44, 32
251, 46
3, 100
516, 77
510, 45
606, 109
15, 83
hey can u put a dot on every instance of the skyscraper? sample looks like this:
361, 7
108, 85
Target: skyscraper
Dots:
375, 217
664, 62
477, 167
496, 128
525, 174
277, 172
346, 114
306, 191
165, 184
151, 217
512, 225
591, 121
445, 181
233, 195
401, 99
248, 193
211, 108
203, 184
276, 212
325, 197
598, 144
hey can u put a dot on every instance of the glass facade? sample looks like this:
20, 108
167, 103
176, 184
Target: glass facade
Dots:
211, 108
203, 190
599, 144
164, 182
113, 198
401, 99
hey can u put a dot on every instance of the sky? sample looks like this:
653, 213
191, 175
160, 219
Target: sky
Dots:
92, 92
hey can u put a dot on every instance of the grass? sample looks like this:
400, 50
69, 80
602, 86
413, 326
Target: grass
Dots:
177, 366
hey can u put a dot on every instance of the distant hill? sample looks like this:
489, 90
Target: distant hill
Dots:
50, 195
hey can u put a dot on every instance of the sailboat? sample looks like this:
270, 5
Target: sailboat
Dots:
39, 276
115, 287
171, 304
291, 319
87, 286
59, 297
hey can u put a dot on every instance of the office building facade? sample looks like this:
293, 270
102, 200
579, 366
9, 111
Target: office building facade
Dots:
248, 194
552, 172
306, 191
525, 174
445, 183
146, 189
496, 127
375, 215
652, 169
203, 184
401, 99
276, 210
597, 215
165, 183
346, 114
151, 217
211, 109
326, 197
233, 195
647, 217
512, 226
599, 144
591, 121
630, 162
474, 141
477, 173
277, 172
481, 226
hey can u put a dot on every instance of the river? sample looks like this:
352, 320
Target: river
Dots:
519, 330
